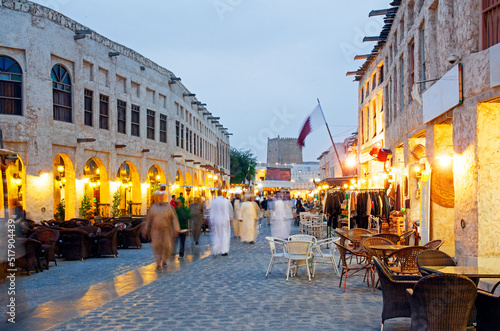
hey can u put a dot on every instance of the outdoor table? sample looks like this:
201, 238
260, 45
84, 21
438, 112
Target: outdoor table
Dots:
472, 272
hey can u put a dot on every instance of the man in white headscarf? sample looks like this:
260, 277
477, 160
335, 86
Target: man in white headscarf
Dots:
281, 220
221, 213
248, 216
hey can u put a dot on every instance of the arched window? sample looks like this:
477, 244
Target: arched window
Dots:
11, 77
61, 90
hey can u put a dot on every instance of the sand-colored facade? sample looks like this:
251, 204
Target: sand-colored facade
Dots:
130, 125
457, 118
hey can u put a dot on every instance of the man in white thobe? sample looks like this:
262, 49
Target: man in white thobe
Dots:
221, 213
281, 220
248, 228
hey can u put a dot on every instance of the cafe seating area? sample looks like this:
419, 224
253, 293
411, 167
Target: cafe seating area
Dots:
38, 245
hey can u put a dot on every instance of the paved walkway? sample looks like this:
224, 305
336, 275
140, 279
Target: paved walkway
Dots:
198, 292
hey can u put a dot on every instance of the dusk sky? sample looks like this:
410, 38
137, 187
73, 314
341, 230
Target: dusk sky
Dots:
258, 64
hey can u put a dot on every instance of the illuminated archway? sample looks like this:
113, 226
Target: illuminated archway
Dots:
179, 182
15, 174
154, 178
130, 188
96, 186
64, 187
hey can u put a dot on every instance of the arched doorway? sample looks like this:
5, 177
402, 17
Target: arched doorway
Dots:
16, 185
179, 182
130, 189
96, 188
154, 178
188, 187
64, 187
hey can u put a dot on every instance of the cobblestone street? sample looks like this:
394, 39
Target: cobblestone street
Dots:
199, 292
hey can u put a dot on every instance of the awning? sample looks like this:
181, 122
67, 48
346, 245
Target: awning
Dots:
339, 181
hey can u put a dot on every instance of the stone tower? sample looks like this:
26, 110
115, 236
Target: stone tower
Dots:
283, 150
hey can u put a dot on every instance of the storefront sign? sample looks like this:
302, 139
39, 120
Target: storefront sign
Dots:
445, 94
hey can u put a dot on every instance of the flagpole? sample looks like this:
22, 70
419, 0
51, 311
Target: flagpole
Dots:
331, 138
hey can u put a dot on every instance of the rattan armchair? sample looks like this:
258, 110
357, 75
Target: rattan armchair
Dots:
106, 243
394, 238
48, 237
432, 257
406, 237
434, 244
355, 235
374, 241
405, 260
488, 311
75, 244
346, 267
395, 302
441, 302
28, 254
130, 236
279, 254
325, 256
299, 252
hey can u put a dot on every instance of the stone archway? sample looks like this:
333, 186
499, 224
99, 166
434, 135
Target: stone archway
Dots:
155, 177
64, 188
15, 174
130, 188
96, 186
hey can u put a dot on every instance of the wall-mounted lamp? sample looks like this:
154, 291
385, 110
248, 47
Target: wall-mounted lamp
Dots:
445, 158
113, 53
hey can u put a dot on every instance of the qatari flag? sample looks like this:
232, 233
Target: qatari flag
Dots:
314, 121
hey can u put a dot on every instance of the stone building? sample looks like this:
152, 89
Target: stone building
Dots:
86, 115
283, 151
430, 92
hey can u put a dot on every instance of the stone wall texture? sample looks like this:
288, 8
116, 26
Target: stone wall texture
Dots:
436, 29
283, 151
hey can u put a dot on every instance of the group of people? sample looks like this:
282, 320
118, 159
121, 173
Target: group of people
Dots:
165, 221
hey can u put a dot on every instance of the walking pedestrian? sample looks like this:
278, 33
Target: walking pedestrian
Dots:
196, 209
221, 213
236, 215
162, 225
282, 220
184, 215
249, 221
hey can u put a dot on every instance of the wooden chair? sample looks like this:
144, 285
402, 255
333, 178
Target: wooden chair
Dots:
395, 302
432, 257
441, 302
346, 267
434, 244
406, 260
371, 253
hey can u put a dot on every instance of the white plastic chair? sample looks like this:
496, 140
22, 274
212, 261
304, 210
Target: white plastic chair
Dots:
302, 237
277, 254
299, 252
325, 256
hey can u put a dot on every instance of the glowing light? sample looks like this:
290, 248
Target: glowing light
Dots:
157, 177
64, 180
18, 181
215, 177
130, 184
445, 161
86, 180
97, 171
363, 180
417, 168
209, 176
353, 181
60, 168
345, 186
44, 176
98, 183
351, 161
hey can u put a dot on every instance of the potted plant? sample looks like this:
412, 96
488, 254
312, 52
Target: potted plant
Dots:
115, 207
61, 211
85, 207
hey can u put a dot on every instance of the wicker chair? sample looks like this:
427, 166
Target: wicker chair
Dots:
374, 241
28, 252
406, 237
69, 224
302, 237
394, 238
325, 257
406, 260
299, 252
105, 227
277, 254
27, 228
106, 243
441, 302
488, 311
130, 236
355, 235
346, 268
434, 244
49, 238
432, 257
75, 244
395, 302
